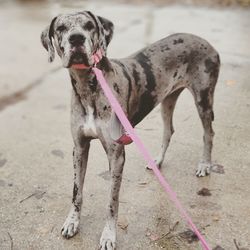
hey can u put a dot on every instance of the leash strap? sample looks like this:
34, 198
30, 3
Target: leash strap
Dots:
128, 127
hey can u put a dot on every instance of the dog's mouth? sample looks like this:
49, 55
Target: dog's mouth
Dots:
78, 58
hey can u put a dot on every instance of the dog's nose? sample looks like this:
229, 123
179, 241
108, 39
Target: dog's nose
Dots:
77, 39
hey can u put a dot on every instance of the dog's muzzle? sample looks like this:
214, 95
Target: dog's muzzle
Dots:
96, 58
78, 53
78, 56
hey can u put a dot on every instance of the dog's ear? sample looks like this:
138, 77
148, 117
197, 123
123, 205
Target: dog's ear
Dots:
46, 39
108, 27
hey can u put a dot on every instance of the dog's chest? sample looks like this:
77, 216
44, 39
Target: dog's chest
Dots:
89, 126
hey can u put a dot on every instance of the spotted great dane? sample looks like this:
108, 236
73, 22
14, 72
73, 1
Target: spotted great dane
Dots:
153, 75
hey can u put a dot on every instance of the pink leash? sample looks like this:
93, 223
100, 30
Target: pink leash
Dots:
128, 127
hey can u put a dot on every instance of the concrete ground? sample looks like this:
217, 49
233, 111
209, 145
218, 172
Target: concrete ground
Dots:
36, 145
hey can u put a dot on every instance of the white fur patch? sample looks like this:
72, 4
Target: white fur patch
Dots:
71, 224
89, 126
203, 169
108, 238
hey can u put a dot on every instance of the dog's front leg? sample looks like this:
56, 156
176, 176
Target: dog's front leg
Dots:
80, 158
116, 157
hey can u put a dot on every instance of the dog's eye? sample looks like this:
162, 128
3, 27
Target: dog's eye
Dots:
61, 28
89, 26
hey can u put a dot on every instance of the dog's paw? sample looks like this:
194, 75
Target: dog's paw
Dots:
204, 169
70, 226
108, 239
107, 244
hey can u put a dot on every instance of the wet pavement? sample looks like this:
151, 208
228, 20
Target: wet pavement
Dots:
36, 145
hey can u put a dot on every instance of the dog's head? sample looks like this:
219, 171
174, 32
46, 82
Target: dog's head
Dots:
77, 37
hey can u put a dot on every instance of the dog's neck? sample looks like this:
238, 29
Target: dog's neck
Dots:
84, 75
84, 81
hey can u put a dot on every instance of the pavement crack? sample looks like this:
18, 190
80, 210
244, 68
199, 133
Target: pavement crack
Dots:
37, 194
11, 241
21, 94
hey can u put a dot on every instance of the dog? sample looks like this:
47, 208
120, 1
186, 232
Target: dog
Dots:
156, 74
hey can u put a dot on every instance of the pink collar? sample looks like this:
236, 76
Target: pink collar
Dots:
96, 57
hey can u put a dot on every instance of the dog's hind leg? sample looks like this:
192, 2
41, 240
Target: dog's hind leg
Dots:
204, 102
116, 157
167, 110
206, 116
80, 158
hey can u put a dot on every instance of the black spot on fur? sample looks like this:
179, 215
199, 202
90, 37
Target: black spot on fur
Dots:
178, 41
93, 84
105, 65
75, 191
77, 207
145, 63
146, 104
218, 59
89, 26
212, 68
190, 59
212, 116
73, 82
136, 75
124, 70
164, 48
127, 76
204, 102
116, 88
94, 109
147, 100
111, 211
209, 64
175, 74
